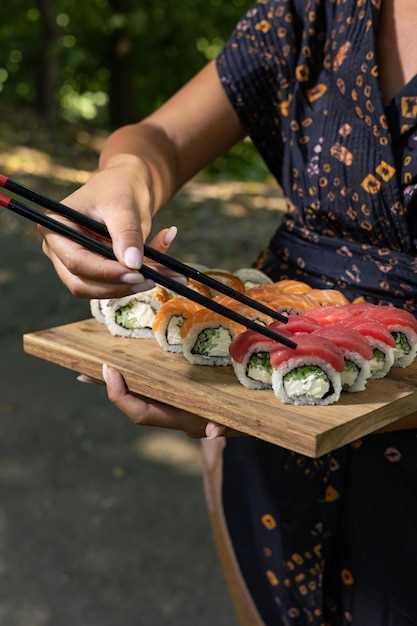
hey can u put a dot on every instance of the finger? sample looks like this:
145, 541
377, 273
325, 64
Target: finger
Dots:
124, 226
82, 378
163, 240
88, 265
148, 412
91, 289
213, 430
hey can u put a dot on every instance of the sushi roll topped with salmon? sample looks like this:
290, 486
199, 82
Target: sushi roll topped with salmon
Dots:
207, 337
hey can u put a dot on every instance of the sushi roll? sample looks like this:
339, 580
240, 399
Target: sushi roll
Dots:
403, 328
289, 304
207, 337
296, 324
309, 374
199, 287
97, 308
250, 355
227, 279
169, 320
293, 287
263, 293
251, 277
381, 342
133, 316
245, 310
330, 315
326, 297
356, 352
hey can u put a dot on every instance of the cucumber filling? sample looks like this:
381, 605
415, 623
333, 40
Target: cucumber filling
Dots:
173, 332
402, 345
213, 342
135, 315
307, 380
259, 367
350, 374
377, 362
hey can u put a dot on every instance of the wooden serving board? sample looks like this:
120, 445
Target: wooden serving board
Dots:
215, 393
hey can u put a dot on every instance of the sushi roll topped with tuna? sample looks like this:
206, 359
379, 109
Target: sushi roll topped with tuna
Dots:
402, 326
250, 355
296, 324
309, 374
357, 354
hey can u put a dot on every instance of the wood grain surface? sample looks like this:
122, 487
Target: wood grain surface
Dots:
215, 393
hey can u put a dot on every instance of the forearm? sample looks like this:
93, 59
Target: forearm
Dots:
179, 139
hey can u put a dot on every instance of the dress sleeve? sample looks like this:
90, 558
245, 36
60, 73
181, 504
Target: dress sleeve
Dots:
256, 67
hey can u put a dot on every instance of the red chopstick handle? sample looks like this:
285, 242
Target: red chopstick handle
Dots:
4, 200
3, 180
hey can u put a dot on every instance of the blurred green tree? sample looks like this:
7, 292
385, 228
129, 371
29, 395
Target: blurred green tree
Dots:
105, 63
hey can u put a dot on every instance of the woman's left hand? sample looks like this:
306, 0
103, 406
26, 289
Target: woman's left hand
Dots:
145, 412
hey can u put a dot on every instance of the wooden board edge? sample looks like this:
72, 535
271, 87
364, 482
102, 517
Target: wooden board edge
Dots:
345, 433
39, 345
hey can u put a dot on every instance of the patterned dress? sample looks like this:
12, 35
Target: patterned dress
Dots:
328, 541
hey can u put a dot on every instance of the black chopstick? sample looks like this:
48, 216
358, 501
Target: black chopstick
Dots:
151, 253
148, 272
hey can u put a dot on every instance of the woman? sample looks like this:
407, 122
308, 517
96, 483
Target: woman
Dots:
327, 92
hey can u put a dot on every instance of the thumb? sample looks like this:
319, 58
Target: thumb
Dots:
125, 230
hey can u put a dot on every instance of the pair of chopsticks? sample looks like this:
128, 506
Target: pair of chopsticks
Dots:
146, 271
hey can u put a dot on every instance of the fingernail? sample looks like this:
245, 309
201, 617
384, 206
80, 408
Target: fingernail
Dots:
170, 235
132, 278
212, 431
133, 258
146, 285
105, 372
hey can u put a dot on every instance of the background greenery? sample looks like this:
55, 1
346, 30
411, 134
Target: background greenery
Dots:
103, 63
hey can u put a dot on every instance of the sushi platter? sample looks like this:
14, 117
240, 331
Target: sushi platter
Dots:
215, 392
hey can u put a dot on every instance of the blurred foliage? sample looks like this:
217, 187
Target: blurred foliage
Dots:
168, 43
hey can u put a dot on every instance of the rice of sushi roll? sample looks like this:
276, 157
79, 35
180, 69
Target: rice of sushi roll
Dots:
133, 316
381, 342
169, 320
97, 308
309, 374
251, 277
250, 355
356, 352
206, 338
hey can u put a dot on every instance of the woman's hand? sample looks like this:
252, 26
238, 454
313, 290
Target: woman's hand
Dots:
145, 412
120, 196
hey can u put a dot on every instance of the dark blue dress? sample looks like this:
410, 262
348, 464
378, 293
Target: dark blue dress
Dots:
329, 541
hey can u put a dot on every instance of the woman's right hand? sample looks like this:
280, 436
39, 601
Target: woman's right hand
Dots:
121, 197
